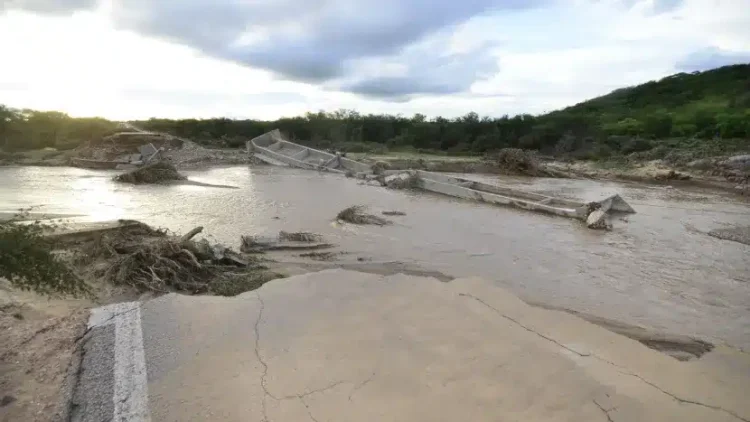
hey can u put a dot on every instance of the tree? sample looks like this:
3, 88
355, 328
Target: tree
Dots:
628, 126
658, 124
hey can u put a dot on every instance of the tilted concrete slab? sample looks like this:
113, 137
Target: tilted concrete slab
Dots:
346, 346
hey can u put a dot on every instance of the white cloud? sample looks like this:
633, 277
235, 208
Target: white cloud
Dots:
541, 58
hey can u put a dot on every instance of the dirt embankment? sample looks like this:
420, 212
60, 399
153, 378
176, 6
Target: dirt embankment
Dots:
48, 157
508, 161
37, 355
192, 155
735, 234
123, 149
724, 173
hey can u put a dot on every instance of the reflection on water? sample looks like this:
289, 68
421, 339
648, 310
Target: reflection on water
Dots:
656, 269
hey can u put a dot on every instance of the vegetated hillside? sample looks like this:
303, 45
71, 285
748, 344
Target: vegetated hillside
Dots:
707, 112
708, 104
701, 114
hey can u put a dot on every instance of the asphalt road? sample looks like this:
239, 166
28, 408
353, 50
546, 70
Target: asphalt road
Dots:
346, 346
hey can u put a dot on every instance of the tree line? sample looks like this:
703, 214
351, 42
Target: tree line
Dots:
707, 111
24, 129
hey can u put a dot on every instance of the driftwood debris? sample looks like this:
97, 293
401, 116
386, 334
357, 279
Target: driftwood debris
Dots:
191, 234
284, 241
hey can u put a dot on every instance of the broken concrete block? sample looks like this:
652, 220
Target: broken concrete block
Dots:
399, 176
400, 181
598, 220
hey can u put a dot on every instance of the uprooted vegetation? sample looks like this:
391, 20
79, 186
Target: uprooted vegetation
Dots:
151, 260
159, 172
356, 215
285, 241
516, 161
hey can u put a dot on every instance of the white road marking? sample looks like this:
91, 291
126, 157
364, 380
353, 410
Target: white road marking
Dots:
131, 382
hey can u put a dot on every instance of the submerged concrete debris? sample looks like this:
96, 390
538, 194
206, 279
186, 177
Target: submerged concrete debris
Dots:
274, 149
356, 215
736, 234
300, 236
403, 180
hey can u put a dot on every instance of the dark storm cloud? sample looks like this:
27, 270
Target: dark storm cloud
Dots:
430, 75
710, 58
306, 40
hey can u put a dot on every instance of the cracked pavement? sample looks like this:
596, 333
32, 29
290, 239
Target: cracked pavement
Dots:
346, 346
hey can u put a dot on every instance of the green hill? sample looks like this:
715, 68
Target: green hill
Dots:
703, 104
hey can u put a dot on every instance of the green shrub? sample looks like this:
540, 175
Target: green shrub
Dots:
636, 145
27, 260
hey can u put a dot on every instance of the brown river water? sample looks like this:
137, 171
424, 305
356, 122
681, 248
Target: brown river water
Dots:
657, 269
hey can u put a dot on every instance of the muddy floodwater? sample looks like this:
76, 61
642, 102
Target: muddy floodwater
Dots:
657, 269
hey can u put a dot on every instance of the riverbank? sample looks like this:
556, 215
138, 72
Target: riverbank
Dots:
188, 156
655, 172
709, 173
712, 173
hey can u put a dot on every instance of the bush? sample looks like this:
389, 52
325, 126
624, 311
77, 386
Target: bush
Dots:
679, 158
27, 260
657, 153
636, 145
600, 152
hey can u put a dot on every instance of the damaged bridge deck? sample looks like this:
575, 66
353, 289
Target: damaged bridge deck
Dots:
347, 346
273, 149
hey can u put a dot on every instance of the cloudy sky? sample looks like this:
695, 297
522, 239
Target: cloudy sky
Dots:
129, 59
